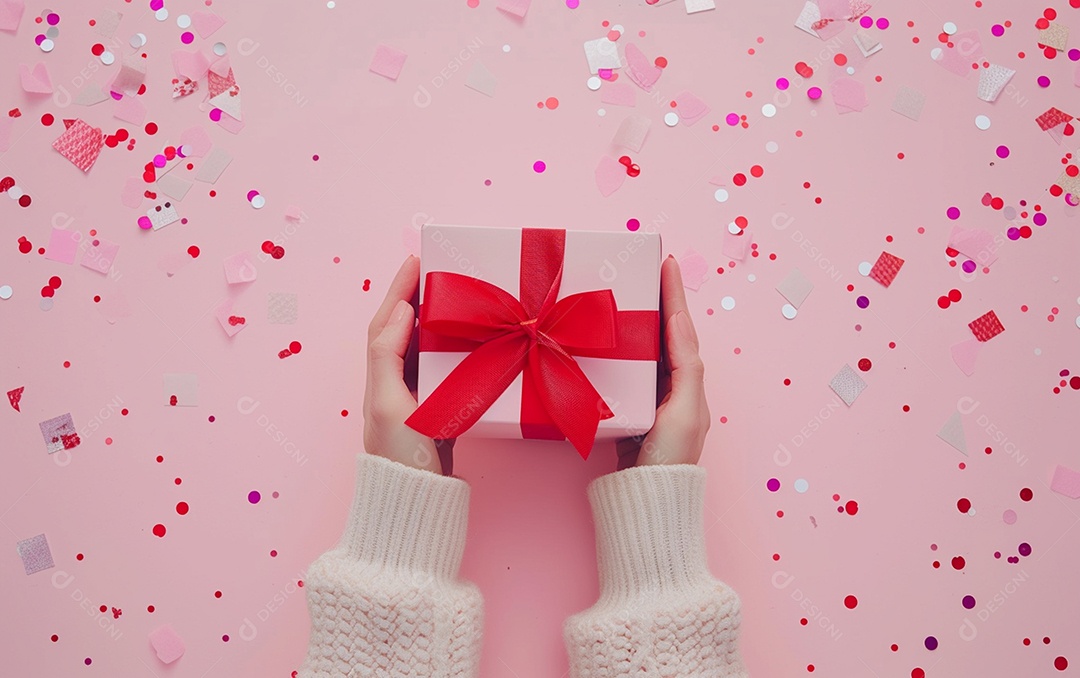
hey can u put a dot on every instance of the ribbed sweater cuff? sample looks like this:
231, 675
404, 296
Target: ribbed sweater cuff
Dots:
407, 518
649, 532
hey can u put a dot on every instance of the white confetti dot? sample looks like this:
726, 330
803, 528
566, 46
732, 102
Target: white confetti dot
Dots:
5, 292
671, 119
1078, 321
258, 202
801, 485
851, 70
982, 122
721, 195
751, 278
330, 5
137, 40
949, 28
971, 511
1038, 351
789, 311
768, 110
733, 228
15, 193
47, 45
162, 14
506, 48
593, 83
220, 48
727, 303
601, 112
183, 21
107, 58
864, 268
772, 146
619, 28
936, 54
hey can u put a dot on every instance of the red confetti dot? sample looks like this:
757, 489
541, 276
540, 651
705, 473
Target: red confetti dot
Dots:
660, 62
958, 563
1061, 663
756, 171
1026, 494
278, 252
943, 302
47, 291
182, 508
963, 505
344, 413
97, 49
852, 507
850, 602
294, 347
152, 128
739, 179
150, 609
268, 246
193, 251
48, 119
918, 673
55, 638
159, 530
865, 364
954, 295
54, 282
79, 556
217, 594
24, 201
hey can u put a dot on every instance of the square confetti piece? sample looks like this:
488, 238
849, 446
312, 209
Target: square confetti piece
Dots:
91, 95
867, 42
735, 246
35, 553
602, 53
59, 433
953, 433
11, 12
618, 94
847, 384
795, 288
106, 24
516, 7
1056, 36
130, 78
100, 255
130, 109
992, 81
387, 62
239, 268
63, 245
849, 95
808, 17
213, 166
481, 79
986, 327
81, 144
691, 109
886, 268
695, 6
909, 102
1052, 118
281, 308
632, 133
173, 186
162, 215
206, 23
181, 390
230, 322
1066, 481
167, 644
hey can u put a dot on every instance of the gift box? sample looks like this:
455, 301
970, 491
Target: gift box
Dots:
537, 333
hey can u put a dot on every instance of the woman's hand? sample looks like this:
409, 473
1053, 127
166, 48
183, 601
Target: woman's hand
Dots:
388, 397
682, 415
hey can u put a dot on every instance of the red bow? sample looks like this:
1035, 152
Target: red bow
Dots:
538, 336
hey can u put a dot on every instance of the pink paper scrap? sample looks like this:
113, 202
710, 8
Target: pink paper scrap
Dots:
610, 175
1066, 482
387, 62
63, 245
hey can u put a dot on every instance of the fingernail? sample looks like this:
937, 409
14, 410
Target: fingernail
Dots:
670, 256
682, 324
400, 310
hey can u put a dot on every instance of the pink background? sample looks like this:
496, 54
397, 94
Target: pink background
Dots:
392, 156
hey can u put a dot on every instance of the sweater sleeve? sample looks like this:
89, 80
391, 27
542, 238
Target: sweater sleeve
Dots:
660, 612
387, 600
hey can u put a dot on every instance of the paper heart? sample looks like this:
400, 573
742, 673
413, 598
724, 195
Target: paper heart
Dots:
639, 69
14, 113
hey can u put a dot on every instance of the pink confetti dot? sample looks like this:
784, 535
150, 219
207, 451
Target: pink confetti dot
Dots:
1074, 54
633, 224
53, 18
814, 93
1043, 81
953, 213
866, 22
997, 30
1002, 151
773, 485
215, 115
1009, 517
160, 160
882, 23
145, 223
782, 84
254, 496
732, 119
473, 3
539, 166
187, 37
157, 4
572, 4
251, 194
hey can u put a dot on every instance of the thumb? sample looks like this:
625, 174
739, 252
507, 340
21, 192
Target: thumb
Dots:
387, 352
687, 368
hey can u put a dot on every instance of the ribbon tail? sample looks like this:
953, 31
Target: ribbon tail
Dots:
570, 398
470, 389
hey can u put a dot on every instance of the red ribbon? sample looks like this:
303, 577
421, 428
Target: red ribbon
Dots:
537, 335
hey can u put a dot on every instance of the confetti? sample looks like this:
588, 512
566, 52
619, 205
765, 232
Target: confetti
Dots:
229, 321
849, 95
986, 326
281, 308
695, 270
35, 554
694, 6
81, 144
15, 396
213, 166
691, 109
131, 75
481, 79
180, 390
239, 268
100, 255
11, 12
632, 132
964, 354
63, 245
1066, 482
867, 42
160, 216
173, 186
909, 102
59, 434
517, 8
387, 62
639, 69
167, 644
992, 81
609, 175
953, 433
602, 54
795, 288
1055, 35
847, 384
886, 268
206, 23
617, 94
35, 80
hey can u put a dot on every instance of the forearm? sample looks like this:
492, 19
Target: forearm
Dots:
387, 600
660, 611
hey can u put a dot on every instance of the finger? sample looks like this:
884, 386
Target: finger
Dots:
687, 368
672, 292
386, 354
402, 288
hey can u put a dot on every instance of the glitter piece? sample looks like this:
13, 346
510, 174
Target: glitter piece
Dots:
847, 384
35, 553
281, 308
886, 268
986, 326
59, 433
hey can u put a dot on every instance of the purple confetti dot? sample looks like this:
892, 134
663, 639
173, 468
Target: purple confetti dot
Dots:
1002, 151
572, 4
53, 18
782, 84
116, 95
930, 643
215, 114
968, 602
1013, 233
953, 213
1024, 549
882, 23
157, 4
997, 30
773, 484
88, 661
866, 22
732, 119
1039, 219
1043, 81
539, 166
38, 38
1074, 54
814, 92
254, 496
863, 302
968, 266
251, 194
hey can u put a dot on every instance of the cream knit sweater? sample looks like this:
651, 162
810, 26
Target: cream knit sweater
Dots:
387, 600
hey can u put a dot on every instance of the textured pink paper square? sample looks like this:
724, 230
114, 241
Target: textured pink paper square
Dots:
387, 62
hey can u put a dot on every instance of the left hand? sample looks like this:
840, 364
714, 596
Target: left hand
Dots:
389, 396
